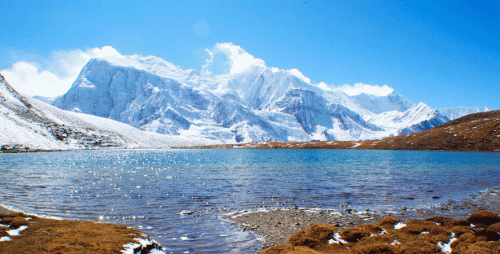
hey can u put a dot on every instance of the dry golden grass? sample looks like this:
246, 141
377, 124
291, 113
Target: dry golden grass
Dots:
63, 236
418, 236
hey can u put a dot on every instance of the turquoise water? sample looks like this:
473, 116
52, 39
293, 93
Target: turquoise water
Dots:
176, 196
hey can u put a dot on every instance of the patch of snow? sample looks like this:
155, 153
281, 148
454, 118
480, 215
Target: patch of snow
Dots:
446, 247
395, 242
14, 232
337, 239
5, 239
130, 247
383, 232
143, 244
399, 225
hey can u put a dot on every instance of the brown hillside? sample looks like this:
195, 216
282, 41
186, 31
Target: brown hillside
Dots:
475, 132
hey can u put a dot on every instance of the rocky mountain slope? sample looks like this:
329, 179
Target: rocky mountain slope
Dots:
28, 125
257, 104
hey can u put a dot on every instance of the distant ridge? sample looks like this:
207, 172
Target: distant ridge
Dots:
457, 112
474, 132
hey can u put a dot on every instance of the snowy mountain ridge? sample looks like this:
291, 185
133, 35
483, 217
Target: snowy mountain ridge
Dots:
256, 104
29, 124
457, 112
380, 104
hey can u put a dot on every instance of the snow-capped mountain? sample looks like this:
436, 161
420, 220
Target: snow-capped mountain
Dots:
418, 118
29, 124
456, 112
379, 104
257, 104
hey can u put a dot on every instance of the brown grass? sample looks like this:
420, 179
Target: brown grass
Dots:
63, 236
418, 236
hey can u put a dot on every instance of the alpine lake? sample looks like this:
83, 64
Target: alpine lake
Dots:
177, 196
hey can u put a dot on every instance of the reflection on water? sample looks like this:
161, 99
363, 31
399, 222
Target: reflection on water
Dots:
176, 196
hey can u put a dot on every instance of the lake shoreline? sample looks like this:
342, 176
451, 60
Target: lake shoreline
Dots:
26, 233
277, 225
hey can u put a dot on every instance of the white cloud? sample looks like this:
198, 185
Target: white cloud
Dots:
208, 62
324, 86
299, 74
56, 78
274, 69
237, 59
358, 88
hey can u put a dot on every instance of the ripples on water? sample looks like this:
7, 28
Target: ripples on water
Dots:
176, 196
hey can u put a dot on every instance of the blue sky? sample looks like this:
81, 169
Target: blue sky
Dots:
444, 53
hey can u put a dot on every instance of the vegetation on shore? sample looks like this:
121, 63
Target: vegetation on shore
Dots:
22, 233
479, 233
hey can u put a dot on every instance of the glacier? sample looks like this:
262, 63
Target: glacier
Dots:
257, 104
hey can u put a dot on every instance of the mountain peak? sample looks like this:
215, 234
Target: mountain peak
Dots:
151, 64
383, 103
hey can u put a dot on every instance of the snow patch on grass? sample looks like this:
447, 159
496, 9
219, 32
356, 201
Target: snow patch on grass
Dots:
446, 247
14, 232
142, 246
5, 239
337, 239
399, 225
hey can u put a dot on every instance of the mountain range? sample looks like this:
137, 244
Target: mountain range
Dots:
257, 104
150, 96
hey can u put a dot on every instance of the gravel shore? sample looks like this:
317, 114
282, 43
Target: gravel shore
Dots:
277, 225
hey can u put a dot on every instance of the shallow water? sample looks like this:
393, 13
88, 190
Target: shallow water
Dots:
176, 196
